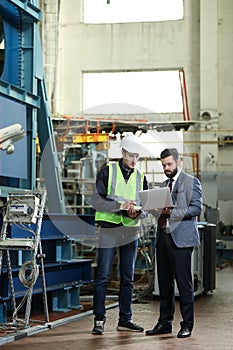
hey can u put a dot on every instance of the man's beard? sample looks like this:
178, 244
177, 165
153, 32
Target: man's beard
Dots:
171, 174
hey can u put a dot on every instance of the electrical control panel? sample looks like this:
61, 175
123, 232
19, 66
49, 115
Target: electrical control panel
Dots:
22, 209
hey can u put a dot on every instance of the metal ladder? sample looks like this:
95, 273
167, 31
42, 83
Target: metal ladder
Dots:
22, 208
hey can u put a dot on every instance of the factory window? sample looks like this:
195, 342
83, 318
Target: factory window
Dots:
132, 92
126, 11
2, 46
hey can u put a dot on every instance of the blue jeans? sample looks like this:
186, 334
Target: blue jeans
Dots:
127, 255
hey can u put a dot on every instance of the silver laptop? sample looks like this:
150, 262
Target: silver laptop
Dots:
156, 198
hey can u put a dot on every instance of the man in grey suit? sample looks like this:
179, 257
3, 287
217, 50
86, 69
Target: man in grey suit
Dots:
177, 235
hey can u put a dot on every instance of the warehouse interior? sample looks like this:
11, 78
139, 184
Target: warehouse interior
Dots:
75, 77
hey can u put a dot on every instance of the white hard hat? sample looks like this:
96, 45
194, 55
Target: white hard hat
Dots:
131, 143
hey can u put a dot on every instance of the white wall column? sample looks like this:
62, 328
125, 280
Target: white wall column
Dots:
209, 97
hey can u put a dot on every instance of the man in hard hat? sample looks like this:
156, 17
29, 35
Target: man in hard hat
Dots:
118, 218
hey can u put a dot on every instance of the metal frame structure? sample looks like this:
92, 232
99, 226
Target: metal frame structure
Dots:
22, 209
23, 81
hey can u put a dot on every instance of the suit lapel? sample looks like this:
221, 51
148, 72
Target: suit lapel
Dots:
177, 186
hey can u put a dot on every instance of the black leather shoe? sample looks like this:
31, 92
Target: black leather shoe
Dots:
160, 328
184, 332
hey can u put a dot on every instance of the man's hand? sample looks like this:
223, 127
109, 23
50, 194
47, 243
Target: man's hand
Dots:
166, 211
130, 207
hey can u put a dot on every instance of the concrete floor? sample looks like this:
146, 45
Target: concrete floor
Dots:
213, 327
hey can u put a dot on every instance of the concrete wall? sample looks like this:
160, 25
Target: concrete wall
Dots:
133, 46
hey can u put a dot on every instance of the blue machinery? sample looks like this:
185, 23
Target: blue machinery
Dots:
23, 99
22, 83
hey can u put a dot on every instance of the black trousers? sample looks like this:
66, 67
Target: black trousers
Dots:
174, 263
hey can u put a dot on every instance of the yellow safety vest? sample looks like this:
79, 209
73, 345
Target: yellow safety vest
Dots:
121, 191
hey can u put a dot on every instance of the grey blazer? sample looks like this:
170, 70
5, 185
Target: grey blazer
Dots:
187, 198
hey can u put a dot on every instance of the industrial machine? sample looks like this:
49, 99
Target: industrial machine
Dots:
23, 101
24, 119
203, 262
24, 209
